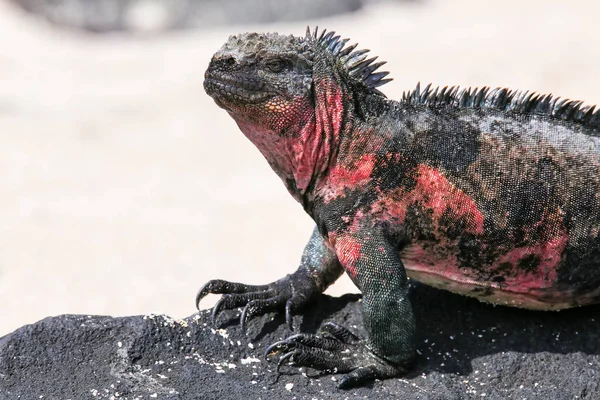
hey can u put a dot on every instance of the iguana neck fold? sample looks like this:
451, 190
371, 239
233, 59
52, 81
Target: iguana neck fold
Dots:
303, 153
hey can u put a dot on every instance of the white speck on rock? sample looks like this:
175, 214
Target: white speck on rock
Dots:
223, 333
249, 360
289, 386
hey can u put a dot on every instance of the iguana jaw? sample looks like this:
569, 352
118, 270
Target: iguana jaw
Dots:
239, 87
229, 90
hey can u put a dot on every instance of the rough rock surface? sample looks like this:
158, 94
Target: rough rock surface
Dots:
468, 350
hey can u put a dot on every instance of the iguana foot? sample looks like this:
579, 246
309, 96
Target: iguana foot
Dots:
289, 293
334, 349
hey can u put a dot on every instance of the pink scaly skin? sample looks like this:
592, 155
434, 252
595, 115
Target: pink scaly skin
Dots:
487, 193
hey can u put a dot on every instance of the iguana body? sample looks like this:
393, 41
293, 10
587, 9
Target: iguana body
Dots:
492, 194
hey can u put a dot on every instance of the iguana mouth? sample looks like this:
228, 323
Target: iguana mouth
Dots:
225, 87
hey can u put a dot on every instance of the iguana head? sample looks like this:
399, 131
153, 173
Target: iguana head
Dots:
266, 78
292, 96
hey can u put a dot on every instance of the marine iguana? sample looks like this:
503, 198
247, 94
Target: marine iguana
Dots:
490, 193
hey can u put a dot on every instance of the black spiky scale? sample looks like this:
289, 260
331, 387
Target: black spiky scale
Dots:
376, 79
502, 99
355, 62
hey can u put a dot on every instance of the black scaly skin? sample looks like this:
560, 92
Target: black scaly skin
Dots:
493, 194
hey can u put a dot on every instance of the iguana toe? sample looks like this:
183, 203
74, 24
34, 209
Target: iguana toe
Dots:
334, 349
289, 293
260, 307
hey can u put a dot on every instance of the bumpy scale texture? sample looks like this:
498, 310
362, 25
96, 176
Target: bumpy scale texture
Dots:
489, 193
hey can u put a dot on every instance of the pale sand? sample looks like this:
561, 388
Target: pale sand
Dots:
123, 188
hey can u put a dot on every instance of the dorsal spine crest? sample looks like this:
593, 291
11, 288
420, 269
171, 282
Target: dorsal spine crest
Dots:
503, 99
354, 61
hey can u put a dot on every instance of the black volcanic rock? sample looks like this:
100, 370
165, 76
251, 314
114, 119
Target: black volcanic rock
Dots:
468, 350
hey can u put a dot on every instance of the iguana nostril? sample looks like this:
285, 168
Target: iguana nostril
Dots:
229, 61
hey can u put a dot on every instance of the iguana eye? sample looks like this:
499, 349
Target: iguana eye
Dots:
275, 65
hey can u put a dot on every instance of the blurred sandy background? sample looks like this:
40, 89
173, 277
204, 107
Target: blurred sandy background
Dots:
123, 188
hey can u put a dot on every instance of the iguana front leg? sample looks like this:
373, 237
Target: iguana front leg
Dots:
373, 264
319, 268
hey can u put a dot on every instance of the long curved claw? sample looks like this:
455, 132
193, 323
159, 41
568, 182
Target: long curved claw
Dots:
218, 286
285, 358
216, 310
277, 347
289, 318
202, 292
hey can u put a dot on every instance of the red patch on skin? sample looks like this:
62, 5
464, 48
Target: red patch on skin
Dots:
418, 258
342, 176
548, 238
549, 251
313, 147
348, 176
306, 154
435, 193
348, 252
